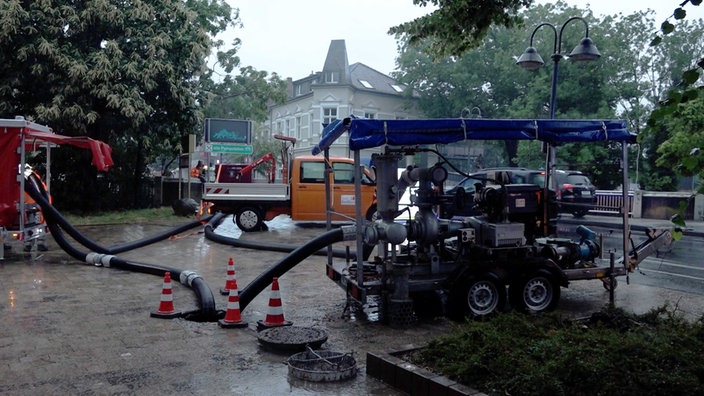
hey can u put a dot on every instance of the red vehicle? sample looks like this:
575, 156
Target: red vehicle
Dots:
21, 219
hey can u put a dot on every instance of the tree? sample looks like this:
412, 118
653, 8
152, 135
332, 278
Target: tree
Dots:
626, 82
456, 26
127, 74
672, 125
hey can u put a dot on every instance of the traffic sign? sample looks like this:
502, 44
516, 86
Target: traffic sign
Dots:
229, 148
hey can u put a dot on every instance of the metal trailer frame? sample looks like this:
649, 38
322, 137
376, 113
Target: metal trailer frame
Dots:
398, 133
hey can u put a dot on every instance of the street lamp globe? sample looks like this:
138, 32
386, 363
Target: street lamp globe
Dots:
530, 59
585, 51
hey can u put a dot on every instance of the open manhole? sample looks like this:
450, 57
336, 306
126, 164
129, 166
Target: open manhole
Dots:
322, 366
292, 338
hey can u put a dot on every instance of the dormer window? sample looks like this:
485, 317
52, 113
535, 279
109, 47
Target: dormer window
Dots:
332, 77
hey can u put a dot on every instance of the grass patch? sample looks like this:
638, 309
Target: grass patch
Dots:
611, 353
161, 215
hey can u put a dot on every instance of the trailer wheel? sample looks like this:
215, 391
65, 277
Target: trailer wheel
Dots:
482, 296
249, 218
535, 293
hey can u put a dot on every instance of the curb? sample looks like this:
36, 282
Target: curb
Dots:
412, 379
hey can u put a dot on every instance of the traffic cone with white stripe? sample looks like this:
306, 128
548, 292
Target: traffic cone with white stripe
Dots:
275, 316
233, 317
166, 308
231, 282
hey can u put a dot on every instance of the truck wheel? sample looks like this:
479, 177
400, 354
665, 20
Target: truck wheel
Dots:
482, 296
535, 293
249, 218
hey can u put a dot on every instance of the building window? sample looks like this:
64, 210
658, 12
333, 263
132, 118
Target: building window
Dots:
397, 88
298, 90
366, 84
370, 116
298, 128
329, 115
332, 77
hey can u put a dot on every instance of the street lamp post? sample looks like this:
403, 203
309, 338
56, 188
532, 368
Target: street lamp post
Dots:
531, 60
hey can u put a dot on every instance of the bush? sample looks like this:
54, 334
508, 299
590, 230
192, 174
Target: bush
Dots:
611, 353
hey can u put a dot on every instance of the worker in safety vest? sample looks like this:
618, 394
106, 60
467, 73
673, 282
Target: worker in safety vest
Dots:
198, 171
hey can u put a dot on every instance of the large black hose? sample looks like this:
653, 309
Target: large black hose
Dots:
209, 232
205, 296
262, 281
87, 242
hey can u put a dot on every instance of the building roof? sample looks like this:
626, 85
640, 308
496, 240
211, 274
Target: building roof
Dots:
365, 78
357, 75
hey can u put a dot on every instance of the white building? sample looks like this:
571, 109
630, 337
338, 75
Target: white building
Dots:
336, 92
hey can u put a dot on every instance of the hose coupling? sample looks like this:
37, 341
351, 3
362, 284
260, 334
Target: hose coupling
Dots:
99, 259
349, 233
187, 277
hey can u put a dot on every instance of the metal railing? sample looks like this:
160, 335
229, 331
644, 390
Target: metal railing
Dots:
609, 202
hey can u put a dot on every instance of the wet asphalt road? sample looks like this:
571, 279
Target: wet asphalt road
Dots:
70, 328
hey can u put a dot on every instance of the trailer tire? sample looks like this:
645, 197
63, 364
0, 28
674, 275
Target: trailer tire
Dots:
481, 296
249, 218
537, 292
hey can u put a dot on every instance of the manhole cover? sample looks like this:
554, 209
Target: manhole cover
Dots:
322, 366
292, 338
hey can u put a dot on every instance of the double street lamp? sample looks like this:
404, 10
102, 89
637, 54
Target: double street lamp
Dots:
531, 60
585, 51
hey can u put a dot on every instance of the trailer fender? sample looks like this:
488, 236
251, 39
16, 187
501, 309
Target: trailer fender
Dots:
547, 265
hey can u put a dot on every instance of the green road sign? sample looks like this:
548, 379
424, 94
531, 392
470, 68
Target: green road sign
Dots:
229, 148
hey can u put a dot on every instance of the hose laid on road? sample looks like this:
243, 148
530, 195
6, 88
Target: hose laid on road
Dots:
206, 300
209, 232
249, 292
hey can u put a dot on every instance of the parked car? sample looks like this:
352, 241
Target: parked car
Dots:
575, 192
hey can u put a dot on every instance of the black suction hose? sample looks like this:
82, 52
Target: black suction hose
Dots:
269, 246
262, 281
85, 241
205, 296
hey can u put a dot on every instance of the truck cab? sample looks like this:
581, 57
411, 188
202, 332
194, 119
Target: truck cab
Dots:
301, 194
308, 190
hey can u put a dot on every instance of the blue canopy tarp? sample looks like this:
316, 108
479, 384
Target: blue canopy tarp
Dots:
366, 133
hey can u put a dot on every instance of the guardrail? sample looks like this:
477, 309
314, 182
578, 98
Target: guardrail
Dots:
609, 202
651, 204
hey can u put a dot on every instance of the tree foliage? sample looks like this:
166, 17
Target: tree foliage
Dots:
674, 129
459, 25
627, 82
124, 72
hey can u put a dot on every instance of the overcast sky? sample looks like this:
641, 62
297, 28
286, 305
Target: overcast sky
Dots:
291, 38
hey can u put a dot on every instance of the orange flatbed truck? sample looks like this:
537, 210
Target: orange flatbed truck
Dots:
301, 195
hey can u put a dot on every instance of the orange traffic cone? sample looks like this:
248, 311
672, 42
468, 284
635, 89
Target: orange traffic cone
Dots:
232, 315
166, 306
275, 316
231, 282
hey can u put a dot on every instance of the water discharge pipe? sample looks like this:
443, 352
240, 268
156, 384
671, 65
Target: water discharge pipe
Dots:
88, 243
249, 292
190, 279
209, 232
